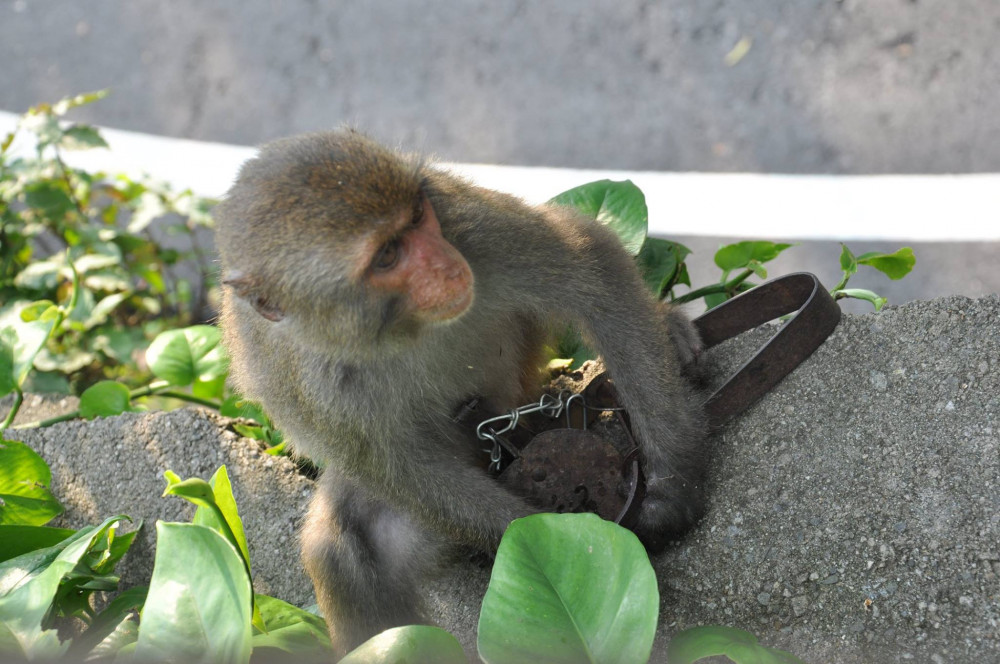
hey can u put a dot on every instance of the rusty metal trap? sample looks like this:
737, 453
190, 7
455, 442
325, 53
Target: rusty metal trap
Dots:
573, 469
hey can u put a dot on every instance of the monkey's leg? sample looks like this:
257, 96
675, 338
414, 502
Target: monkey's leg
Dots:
365, 560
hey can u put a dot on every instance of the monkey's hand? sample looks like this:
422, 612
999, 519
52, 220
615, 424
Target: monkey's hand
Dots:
671, 506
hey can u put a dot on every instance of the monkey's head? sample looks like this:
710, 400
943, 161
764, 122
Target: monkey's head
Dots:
334, 236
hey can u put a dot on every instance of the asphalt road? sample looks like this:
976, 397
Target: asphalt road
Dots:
815, 86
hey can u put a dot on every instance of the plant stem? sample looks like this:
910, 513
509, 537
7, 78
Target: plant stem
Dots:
66, 417
147, 390
842, 284
18, 398
183, 396
157, 388
729, 287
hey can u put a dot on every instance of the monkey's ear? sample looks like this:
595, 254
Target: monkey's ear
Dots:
245, 287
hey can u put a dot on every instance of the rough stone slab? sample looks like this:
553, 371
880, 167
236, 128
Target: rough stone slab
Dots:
115, 466
855, 511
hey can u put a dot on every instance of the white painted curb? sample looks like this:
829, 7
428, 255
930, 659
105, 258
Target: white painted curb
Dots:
807, 207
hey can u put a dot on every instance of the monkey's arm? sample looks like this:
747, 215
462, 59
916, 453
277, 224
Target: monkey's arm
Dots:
430, 474
560, 266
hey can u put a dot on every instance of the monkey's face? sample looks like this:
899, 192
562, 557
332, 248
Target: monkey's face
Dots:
333, 237
412, 260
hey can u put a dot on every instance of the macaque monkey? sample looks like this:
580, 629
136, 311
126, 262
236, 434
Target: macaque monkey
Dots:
369, 294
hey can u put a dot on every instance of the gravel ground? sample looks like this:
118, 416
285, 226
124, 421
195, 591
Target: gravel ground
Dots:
855, 510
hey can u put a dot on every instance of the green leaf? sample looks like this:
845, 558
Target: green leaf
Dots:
28, 588
104, 399
8, 373
106, 623
714, 299
25, 498
860, 294
101, 255
251, 432
209, 389
739, 646
199, 603
117, 344
238, 406
99, 314
620, 205
40, 275
895, 265
414, 644
40, 382
569, 588
291, 630
570, 346
278, 447
64, 105
150, 208
49, 197
222, 496
660, 262
216, 510
848, 262
758, 269
72, 360
16, 540
43, 125
116, 646
43, 310
82, 137
738, 256
186, 355
195, 490
118, 545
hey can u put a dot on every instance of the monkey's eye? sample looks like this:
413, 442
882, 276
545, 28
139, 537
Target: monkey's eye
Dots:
387, 256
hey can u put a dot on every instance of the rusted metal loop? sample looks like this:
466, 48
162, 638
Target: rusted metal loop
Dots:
636, 491
816, 316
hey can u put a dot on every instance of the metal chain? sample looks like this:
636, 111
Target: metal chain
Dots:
548, 405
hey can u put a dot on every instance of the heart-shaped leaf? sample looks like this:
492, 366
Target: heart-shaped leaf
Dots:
569, 588
104, 399
186, 355
620, 205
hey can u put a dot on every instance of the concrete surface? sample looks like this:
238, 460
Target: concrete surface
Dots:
855, 511
826, 86
115, 466
823, 86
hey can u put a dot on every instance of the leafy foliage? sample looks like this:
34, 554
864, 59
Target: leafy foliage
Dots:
39, 586
25, 499
64, 230
622, 207
565, 588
